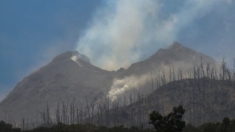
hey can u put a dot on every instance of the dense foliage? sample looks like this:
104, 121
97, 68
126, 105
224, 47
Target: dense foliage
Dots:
5, 127
170, 123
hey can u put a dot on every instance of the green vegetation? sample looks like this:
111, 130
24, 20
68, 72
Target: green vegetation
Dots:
5, 127
171, 123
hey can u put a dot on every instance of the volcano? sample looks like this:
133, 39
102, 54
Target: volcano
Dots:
72, 77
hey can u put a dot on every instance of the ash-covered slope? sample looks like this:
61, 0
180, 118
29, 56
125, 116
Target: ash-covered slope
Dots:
67, 77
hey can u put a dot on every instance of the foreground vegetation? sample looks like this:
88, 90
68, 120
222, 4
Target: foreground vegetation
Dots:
172, 122
225, 126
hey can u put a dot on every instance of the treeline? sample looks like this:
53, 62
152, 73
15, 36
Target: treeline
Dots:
226, 125
88, 128
60, 127
172, 122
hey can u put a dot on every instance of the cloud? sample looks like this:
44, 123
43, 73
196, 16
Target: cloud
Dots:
125, 31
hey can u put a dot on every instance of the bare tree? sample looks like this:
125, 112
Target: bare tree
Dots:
233, 70
228, 73
152, 81
173, 71
81, 115
72, 112
58, 117
170, 73
64, 117
223, 67
207, 69
180, 76
189, 74
212, 73
46, 116
88, 110
202, 66
163, 78
92, 104
100, 110
23, 124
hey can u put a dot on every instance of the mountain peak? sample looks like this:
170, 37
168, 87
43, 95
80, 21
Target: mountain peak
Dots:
69, 54
66, 55
176, 45
173, 47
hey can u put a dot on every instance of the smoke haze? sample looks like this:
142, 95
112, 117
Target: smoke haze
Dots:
125, 31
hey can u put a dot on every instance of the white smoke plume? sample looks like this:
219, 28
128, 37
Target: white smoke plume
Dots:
122, 85
125, 31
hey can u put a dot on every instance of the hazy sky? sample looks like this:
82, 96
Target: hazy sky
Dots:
32, 32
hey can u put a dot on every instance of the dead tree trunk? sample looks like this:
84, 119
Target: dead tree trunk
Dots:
92, 104
152, 82
72, 112
223, 67
88, 110
202, 67
58, 117
207, 69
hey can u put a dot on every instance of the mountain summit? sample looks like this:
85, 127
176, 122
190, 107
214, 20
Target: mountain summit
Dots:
175, 55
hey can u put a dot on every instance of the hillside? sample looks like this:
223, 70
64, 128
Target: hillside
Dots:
205, 100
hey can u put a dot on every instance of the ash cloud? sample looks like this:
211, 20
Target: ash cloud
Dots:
125, 31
